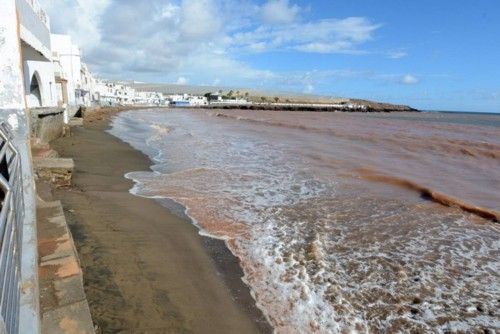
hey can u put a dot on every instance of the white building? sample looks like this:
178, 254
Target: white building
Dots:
198, 100
38, 72
177, 97
86, 92
110, 93
150, 98
187, 100
68, 57
105, 92
126, 95
123, 94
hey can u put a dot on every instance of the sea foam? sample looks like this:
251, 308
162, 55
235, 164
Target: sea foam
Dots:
320, 252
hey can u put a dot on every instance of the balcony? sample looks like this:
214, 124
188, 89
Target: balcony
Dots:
34, 26
35, 5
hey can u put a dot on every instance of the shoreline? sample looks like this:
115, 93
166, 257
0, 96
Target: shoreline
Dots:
146, 268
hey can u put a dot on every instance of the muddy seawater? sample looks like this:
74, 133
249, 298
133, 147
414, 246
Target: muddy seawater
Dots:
344, 223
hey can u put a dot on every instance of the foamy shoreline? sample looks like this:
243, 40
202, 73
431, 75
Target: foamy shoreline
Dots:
299, 276
140, 258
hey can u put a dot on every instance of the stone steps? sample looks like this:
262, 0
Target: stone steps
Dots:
63, 305
57, 171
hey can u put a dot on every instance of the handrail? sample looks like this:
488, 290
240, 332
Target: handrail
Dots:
11, 217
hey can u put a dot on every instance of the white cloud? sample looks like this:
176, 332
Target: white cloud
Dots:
78, 18
409, 79
279, 12
397, 54
202, 40
204, 65
182, 81
199, 19
169, 11
324, 36
334, 47
308, 89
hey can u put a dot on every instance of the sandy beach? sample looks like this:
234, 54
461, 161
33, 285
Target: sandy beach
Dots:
146, 269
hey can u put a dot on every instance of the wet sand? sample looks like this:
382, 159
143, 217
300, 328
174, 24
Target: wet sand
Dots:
146, 269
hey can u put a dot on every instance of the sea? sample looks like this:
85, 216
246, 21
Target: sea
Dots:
342, 222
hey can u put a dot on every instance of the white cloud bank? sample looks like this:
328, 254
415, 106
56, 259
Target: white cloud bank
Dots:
170, 41
79, 18
324, 36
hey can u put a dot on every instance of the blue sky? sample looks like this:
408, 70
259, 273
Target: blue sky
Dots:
439, 54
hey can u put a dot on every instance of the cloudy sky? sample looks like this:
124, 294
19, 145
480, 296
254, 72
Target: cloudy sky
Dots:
433, 54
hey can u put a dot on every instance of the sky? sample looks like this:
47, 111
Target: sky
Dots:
430, 54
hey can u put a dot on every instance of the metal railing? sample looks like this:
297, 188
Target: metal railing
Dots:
11, 220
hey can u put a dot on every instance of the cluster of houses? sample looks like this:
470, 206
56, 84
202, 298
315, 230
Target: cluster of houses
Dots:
55, 76
112, 93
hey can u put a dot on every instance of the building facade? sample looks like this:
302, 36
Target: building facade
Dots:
38, 73
67, 55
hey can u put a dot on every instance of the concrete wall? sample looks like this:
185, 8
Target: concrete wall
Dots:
47, 124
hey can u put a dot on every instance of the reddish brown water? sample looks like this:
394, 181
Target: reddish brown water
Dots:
343, 222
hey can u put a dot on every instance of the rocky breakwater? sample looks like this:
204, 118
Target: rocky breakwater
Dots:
344, 106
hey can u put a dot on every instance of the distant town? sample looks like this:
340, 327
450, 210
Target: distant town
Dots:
62, 79
56, 76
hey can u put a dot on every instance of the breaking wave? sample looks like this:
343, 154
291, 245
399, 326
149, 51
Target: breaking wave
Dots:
323, 251
430, 194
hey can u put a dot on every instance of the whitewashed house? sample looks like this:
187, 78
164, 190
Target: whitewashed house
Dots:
61, 81
123, 94
105, 93
110, 93
87, 90
127, 95
198, 100
142, 98
38, 72
68, 58
150, 98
